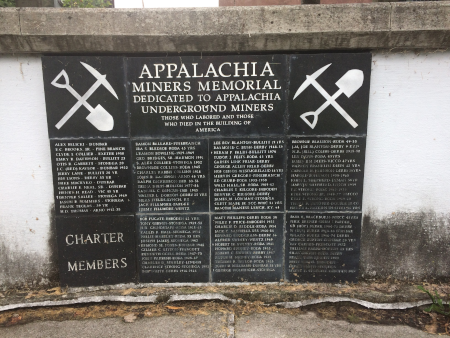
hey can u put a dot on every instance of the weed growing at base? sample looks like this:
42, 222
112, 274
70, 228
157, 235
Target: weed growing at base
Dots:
438, 305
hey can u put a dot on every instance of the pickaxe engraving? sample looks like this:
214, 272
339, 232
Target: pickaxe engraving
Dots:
99, 117
348, 84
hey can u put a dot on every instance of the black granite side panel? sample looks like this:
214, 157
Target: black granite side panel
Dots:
92, 176
94, 87
322, 247
325, 173
247, 174
171, 175
173, 248
352, 120
96, 250
247, 247
207, 96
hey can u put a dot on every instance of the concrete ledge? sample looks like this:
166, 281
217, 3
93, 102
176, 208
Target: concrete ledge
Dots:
432, 20
9, 21
226, 29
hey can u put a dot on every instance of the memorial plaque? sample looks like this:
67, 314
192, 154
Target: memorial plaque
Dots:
207, 161
322, 247
325, 173
92, 176
247, 174
329, 93
207, 96
173, 248
85, 96
171, 175
96, 250
247, 247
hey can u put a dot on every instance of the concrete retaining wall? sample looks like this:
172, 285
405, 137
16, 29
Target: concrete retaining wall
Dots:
406, 208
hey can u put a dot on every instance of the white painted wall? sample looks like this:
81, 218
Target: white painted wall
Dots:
408, 142
407, 158
26, 188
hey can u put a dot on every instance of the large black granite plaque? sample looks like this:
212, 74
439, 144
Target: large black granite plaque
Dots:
96, 250
92, 176
331, 90
247, 247
247, 174
85, 96
207, 96
173, 248
216, 157
171, 175
322, 247
325, 173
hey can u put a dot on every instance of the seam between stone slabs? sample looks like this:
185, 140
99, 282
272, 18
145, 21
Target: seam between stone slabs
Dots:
230, 325
390, 17
19, 14
215, 296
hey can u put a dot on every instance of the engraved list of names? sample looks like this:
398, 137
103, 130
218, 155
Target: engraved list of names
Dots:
227, 168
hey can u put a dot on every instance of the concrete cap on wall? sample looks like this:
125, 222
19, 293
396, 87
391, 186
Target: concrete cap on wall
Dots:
226, 29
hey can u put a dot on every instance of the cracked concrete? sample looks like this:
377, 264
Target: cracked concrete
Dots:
309, 326
213, 326
217, 325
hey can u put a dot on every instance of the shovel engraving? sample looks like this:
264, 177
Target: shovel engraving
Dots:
348, 84
98, 117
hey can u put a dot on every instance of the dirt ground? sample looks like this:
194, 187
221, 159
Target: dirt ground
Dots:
353, 313
251, 299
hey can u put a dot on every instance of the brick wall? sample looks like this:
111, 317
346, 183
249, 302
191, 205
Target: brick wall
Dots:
258, 2
284, 2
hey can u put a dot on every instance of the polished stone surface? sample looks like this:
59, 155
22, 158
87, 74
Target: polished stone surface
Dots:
173, 248
87, 90
207, 96
171, 176
96, 250
331, 90
92, 177
247, 247
247, 174
322, 247
325, 173
213, 154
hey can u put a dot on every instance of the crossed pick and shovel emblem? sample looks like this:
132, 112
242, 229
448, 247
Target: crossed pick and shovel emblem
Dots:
98, 117
348, 84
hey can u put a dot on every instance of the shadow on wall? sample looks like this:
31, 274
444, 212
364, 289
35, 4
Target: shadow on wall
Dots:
406, 246
21, 269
